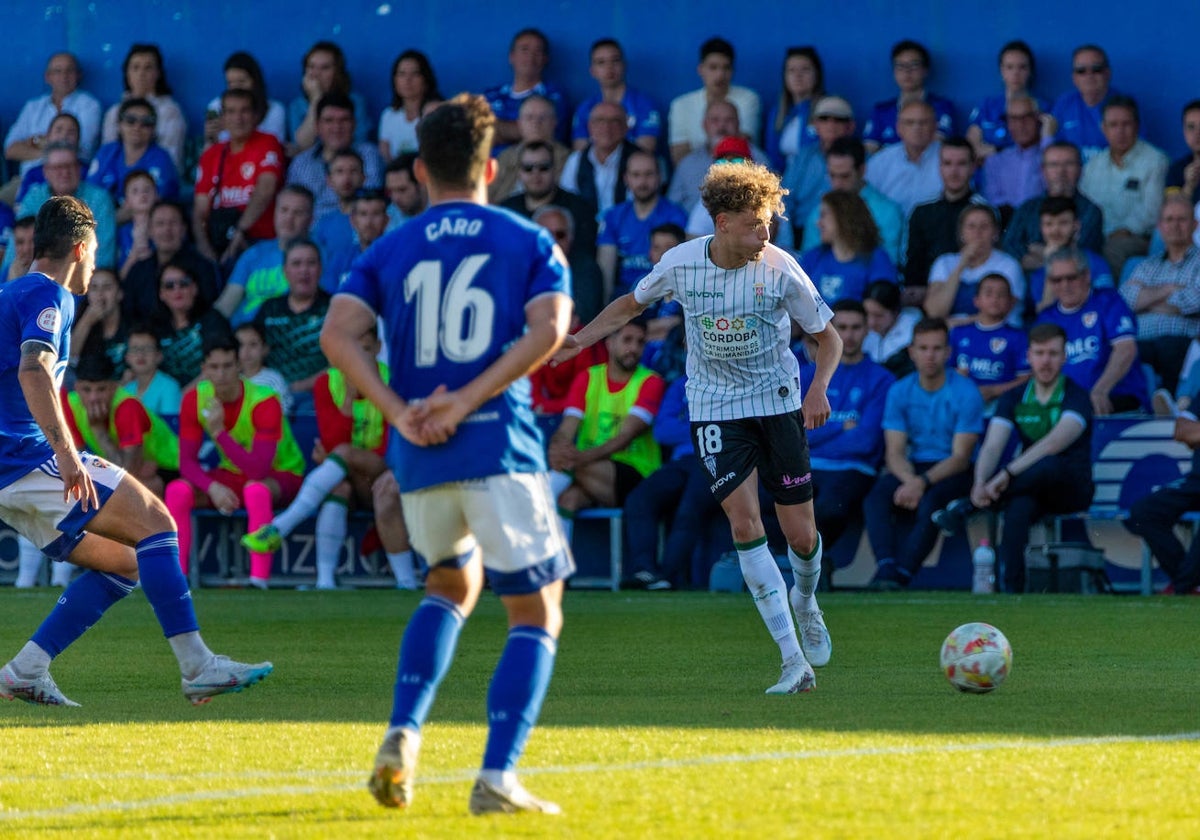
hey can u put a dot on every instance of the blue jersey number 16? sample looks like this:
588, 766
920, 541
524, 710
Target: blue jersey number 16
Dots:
459, 321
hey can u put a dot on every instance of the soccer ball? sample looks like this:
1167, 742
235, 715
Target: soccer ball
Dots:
976, 658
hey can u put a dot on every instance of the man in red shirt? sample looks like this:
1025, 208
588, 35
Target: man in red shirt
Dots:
234, 205
261, 464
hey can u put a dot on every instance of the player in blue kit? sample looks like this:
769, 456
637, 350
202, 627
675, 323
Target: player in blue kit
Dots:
474, 299
72, 504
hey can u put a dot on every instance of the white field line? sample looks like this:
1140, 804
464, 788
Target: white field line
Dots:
458, 776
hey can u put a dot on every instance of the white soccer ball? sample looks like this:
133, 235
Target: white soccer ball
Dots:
976, 658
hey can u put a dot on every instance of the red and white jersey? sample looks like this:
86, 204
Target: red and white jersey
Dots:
233, 184
738, 324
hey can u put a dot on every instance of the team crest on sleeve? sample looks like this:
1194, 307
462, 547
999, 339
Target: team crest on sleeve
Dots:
1126, 324
1089, 319
49, 319
998, 345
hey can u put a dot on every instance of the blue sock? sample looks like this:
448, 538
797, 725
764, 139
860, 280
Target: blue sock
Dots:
164, 584
515, 696
81, 606
426, 652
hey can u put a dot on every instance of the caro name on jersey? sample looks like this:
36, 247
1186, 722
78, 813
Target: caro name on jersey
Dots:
738, 327
452, 286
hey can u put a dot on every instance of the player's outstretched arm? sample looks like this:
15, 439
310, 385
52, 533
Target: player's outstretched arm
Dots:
614, 316
348, 318
36, 375
547, 319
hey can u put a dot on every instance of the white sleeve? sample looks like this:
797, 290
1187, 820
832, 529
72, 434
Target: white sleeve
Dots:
803, 302
654, 286
23, 128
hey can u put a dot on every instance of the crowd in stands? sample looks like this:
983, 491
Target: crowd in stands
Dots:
953, 255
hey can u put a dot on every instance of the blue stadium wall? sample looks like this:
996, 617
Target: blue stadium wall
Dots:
1150, 44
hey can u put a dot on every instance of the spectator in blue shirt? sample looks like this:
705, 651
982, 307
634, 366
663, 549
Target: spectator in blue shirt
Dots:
608, 69
623, 243
847, 451
910, 68
788, 125
1080, 112
987, 127
528, 55
931, 422
135, 149
849, 257
1102, 353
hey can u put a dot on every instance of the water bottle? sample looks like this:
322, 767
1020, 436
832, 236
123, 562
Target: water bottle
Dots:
984, 560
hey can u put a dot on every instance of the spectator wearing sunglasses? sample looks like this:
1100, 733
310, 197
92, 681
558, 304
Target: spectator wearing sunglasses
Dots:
538, 179
1080, 112
134, 148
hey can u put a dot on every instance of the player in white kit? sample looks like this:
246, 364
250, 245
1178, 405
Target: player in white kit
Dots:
739, 295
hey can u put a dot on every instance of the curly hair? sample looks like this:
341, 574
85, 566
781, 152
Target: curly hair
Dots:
855, 226
739, 187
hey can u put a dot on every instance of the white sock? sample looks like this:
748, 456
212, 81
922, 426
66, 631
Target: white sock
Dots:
768, 589
402, 568
191, 652
807, 574
29, 564
31, 661
317, 485
331, 534
60, 573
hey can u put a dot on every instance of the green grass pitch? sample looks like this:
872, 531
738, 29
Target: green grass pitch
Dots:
656, 724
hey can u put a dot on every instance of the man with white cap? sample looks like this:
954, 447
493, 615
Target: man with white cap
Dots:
806, 179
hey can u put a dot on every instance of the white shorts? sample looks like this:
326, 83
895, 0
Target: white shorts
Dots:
511, 518
33, 505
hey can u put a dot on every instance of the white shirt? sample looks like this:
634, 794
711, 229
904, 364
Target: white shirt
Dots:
738, 324
906, 182
998, 263
880, 348
685, 120
606, 175
37, 114
398, 130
